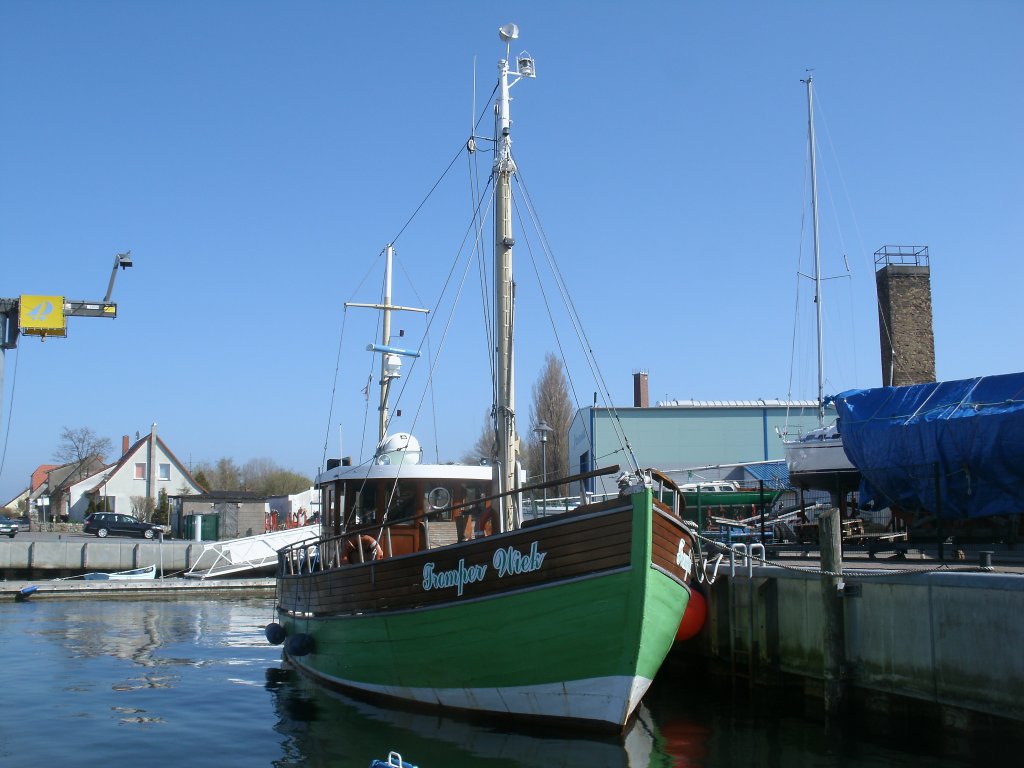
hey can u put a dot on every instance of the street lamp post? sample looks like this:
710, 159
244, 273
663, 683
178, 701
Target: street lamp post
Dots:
542, 430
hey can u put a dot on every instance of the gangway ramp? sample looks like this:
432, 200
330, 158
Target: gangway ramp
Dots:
250, 553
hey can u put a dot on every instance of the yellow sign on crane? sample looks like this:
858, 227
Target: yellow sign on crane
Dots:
42, 316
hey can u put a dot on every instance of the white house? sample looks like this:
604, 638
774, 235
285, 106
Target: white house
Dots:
143, 471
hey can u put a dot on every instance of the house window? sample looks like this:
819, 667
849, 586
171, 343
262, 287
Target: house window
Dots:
165, 471
140, 471
107, 503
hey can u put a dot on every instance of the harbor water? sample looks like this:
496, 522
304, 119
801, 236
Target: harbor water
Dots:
109, 682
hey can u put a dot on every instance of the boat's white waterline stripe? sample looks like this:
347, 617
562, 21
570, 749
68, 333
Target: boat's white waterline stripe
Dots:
609, 699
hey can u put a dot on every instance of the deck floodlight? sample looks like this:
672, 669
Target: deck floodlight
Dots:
527, 68
124, 260
392, 366
508, 32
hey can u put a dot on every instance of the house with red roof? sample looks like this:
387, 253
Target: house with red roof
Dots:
134, 484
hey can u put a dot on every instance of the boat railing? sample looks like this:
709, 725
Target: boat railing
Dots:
535, 507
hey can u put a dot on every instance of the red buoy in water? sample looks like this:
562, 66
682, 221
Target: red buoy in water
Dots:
693, 617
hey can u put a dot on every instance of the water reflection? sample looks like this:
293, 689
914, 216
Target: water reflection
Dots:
326, 728
144, 632
689, 718
178, 679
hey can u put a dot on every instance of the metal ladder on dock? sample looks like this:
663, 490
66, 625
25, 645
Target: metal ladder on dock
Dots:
745, 657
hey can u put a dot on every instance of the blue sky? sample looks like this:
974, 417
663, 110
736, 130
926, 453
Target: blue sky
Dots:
257, 156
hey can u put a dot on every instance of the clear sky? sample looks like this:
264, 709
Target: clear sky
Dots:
257, 156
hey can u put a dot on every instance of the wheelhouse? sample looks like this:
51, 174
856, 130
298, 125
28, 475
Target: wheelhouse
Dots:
414, 507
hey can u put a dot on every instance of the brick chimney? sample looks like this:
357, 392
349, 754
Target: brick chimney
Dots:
640, 397
903, 283
124, 444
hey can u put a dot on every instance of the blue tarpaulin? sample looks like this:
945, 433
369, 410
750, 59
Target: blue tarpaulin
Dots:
952, 448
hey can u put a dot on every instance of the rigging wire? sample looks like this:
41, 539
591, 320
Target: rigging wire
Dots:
426, 335
433, 363
577, 323
546, 302
441, 178
799, 266
334, 389
898, 361
10, 412
433, 360
451, 313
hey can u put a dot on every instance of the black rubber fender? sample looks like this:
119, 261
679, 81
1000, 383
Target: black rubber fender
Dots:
299, 645
275, 633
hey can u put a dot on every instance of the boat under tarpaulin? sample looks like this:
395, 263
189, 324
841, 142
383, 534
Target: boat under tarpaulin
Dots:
953, 448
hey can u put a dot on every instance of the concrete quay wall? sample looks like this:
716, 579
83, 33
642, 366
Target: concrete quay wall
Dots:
40, 557
952, 639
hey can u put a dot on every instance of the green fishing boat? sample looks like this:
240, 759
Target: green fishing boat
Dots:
428, 587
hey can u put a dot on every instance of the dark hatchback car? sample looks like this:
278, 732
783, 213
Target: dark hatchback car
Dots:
105, 524
8, 527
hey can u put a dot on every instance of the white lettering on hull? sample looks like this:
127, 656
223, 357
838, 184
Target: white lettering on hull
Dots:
683, 559
457, 577
508, 561
511, 561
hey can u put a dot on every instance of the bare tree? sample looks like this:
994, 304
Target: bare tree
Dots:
260, 476
552, 406
484, 447
142, 508
77, 445
221, 476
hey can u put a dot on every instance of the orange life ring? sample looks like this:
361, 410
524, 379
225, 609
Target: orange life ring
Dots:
371, 550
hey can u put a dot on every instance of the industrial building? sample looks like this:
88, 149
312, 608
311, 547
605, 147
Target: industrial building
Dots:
717, 439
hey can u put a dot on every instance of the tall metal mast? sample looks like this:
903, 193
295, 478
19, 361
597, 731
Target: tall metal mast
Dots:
385, 339
817, 254
504, 284
390, 360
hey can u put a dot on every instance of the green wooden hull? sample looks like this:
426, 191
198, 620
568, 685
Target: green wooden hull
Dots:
580, 645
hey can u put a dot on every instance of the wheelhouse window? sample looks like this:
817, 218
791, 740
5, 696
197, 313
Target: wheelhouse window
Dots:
437, 501
364, 503
401, 500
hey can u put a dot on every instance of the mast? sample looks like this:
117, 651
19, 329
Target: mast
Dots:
817, 253
390, 357
504, 285
385, 340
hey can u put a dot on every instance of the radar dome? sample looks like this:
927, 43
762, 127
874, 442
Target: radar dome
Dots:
399, 448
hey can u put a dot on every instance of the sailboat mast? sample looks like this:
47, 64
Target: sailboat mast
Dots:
385, 340
817, 253
508, 440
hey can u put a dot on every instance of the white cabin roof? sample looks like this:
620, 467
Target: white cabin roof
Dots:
442, 472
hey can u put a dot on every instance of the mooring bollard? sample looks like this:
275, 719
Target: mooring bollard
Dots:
986, 560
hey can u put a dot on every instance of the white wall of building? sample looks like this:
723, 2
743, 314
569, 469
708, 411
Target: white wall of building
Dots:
130, 477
